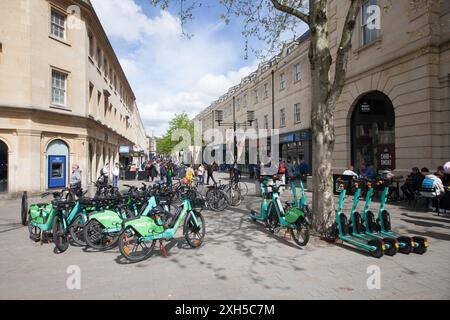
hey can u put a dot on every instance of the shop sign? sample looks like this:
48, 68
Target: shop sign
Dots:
304, 135
124, 149
386, 156
287, 138
365, 108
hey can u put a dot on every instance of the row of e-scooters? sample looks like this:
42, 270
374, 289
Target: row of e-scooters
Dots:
364, 230
133, 220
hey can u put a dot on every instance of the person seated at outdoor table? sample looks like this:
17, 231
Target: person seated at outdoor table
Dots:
446, 178
440, 172
432, 181
412, 184
386, 173
350, 172
366, 172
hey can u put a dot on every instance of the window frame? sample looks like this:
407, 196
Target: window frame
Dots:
299, 113
282, 117
282, 81
364, 24
92, 45
54, 70
297, 72
64, 31
266, 90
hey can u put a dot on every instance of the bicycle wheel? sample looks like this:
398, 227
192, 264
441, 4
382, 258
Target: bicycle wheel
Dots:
243, 187
60, 236
234, 197
200, 187
35, 232
133, 248
272, 219
76, 230
221, 202
300, 234
195, 234
96, 238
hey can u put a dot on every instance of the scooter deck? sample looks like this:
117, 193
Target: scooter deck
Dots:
365, 237
358, 242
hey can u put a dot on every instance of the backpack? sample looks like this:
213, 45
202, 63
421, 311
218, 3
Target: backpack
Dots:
282, 169
428, 183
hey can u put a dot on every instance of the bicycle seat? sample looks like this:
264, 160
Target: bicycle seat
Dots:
290, 203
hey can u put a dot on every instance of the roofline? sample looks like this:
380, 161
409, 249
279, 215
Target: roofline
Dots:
90, 8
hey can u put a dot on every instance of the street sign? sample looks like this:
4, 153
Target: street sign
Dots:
124, 149
386, 156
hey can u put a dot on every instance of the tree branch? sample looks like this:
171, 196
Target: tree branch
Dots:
344, 49
290, 10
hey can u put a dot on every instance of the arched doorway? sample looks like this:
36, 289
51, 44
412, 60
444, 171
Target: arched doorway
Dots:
373, 132
57, 164
3, 167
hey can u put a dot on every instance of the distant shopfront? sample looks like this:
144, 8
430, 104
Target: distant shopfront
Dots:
296, 146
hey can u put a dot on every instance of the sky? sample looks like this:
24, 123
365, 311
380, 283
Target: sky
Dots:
171, 73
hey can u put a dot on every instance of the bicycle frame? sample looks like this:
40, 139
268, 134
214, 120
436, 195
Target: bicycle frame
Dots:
112, 220
149, 231
303, 200
276, 201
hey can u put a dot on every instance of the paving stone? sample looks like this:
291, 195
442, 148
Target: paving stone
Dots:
240, 260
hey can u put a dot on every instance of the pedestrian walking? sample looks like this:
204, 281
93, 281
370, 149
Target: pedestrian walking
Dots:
169, 174
289, 171
147, 170
115, 174
163, 172
104, 175
190, 174
210, 173
76, 177
200, 174
153, 172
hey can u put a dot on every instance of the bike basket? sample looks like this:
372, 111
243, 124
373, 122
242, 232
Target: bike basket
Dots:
293, 215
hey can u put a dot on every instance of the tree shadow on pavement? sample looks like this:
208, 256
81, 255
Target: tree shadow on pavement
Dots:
426, 224
354, 249
435, 219
431, 234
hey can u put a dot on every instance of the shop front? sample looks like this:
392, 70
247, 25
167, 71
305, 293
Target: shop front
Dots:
296, 146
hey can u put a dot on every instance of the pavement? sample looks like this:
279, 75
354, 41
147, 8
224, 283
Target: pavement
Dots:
240, 259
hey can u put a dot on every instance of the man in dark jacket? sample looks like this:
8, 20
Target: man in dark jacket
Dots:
210, 173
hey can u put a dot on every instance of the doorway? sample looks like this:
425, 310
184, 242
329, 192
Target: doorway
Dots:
3, 167
373, 132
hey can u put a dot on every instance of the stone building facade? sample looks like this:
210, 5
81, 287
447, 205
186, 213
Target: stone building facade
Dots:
64, 98
394, 110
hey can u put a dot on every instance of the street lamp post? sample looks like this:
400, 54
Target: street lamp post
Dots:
219, 120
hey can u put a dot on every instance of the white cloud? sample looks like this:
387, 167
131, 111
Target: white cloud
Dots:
126, 20
170, 73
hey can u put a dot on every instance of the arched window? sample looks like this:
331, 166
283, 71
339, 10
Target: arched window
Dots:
373, 132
